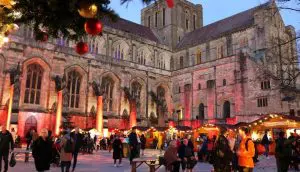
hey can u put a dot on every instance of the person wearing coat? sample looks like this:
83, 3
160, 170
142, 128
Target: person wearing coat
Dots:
171, 159
143, 143
65, 157
118, 149
42, 151
6, 146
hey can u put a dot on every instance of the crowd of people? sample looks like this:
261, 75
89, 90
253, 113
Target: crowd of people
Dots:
227, 152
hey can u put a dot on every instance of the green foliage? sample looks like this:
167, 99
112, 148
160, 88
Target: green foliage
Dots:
58, 17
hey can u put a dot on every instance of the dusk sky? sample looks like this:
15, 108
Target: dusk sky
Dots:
214, 10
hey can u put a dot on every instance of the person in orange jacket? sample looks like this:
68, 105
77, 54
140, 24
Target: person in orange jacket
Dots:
246, 151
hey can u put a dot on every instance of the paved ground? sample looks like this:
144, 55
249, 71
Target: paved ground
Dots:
102, 162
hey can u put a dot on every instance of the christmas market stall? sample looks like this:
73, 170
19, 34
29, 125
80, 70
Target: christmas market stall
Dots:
273, 124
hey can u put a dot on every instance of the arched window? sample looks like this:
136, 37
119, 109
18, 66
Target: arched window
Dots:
226, 109
201, 111
198, 55
107, 86
224, 82
142, 57
73, 87
181, 62
33, 84
118, 52
199, 86
136, 89
187, 22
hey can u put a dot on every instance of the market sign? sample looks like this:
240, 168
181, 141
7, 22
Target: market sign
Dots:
280, 123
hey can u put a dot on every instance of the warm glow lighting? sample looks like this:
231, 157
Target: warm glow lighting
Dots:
132, 117
254, 136
5, 39
11, 95
58, 112
105, 132
99, 117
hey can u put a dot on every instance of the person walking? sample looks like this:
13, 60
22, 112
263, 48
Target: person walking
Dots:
143, 143
42, 151
78, 140
171, 159
117, 151
133, 143
265, 141
67, 149
283, 152
29, 138
186, 156
6, 146
222, 153
246, 151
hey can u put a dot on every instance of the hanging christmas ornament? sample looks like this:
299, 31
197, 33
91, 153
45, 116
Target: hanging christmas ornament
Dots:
87, 9
170, 3
41, 36
93, 26
82, 48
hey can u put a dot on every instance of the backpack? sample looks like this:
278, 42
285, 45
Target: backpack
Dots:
69, 146
246, 146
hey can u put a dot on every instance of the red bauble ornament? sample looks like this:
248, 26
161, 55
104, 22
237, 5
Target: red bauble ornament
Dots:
82, 48
93, 26
170, 3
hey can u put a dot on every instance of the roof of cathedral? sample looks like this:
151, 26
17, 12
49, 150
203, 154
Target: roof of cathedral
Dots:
131, 27
220, 28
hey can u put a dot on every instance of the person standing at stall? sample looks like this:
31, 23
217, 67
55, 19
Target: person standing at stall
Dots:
133, 143
117, 150
265, 141
143, 143
246, 151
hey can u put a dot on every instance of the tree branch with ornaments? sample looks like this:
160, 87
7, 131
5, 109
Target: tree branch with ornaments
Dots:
72, 19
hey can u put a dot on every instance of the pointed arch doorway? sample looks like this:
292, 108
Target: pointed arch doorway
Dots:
30, 123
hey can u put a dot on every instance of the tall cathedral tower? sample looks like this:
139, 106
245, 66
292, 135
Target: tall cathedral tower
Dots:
171, 24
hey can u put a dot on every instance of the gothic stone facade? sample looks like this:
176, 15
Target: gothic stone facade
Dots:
197, 73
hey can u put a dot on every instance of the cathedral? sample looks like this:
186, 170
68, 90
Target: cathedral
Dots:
170, 70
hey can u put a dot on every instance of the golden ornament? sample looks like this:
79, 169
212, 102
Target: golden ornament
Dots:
88, 10
7, 3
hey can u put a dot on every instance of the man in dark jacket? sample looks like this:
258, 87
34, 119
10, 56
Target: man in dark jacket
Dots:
133, 143
78, 139
6, 145
222, 153
265, 141
283, 152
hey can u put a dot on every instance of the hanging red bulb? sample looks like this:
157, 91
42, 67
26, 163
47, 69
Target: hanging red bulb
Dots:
82, 48
170, 3
93, 26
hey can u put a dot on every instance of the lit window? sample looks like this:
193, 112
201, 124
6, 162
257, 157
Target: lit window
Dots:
33, 84
73, 87
224, 82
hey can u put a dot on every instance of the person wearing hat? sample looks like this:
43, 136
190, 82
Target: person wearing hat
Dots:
246, 151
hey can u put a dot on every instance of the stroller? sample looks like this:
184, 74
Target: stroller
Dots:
56, 153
